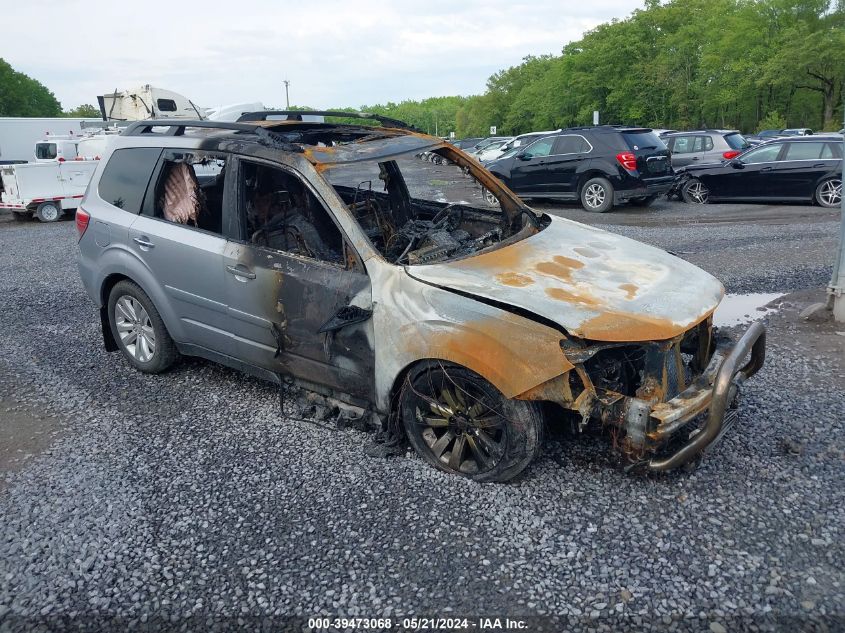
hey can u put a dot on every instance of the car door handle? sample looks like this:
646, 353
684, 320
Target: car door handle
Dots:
820, 165
766, 169
240, 271
695, 157
143, 242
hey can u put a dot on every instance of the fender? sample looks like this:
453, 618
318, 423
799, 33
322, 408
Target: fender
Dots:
415, 321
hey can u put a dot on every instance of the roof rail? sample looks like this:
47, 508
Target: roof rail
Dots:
263, 114
176, 127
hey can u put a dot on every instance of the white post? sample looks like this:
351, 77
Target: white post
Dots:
837, 280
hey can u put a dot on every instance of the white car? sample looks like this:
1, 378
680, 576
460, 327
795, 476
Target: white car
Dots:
517, 141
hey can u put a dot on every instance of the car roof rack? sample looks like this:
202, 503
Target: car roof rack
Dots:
297, 114
176, 127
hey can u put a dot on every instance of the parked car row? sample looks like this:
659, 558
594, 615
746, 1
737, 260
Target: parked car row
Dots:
604, 166
798, 168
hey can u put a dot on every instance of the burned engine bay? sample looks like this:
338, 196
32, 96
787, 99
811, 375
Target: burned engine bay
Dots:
416, 213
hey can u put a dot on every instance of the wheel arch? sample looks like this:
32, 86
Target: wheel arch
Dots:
589, 174
514, 358
120, 269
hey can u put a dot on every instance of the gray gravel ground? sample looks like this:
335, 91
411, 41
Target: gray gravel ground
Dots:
185, 499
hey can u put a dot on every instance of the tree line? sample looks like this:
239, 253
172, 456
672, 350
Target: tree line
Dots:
746, 64
680, 64
21, 95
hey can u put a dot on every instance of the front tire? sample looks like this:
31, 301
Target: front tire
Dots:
49, 212
461, 424
829, 193
138, 329
695, 192
597, 195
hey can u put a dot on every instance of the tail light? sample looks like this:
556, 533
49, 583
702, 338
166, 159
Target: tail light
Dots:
628, 160
61, 159
730, 154
82, 220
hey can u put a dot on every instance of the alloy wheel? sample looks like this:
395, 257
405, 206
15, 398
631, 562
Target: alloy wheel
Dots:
831, 192
461, 431
698, 192
135, 328
595, 195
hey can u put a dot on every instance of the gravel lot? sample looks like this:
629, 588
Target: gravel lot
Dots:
187, 500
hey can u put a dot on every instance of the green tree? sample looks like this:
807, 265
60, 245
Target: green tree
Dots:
21, 95
772, 121
84, 111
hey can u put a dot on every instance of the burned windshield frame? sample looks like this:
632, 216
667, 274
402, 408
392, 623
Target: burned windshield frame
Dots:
415, 210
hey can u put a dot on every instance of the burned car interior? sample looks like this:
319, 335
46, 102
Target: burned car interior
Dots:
410, 229
281, 213
391, 198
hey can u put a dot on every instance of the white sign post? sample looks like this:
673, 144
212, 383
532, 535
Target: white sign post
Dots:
492, 130
595, 117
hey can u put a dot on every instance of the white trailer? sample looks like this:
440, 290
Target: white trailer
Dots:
18, 135
46, 189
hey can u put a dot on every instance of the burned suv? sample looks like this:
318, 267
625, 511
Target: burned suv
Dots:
331, 255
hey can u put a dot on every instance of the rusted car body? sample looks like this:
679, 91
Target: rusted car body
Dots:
600, 329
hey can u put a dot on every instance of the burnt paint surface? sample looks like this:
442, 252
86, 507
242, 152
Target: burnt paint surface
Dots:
278, 314
595, 285
415, 321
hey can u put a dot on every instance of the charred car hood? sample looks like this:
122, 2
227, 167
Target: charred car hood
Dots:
594, 284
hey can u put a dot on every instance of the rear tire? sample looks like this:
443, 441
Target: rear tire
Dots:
461, 424
695, 192
829, 193
138, 330
597, 195
49, 212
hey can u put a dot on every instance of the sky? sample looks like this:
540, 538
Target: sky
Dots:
335, 54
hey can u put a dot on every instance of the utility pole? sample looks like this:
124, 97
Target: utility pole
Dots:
287, 97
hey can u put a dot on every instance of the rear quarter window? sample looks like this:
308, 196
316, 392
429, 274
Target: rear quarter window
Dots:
736, 141
126, 176
643, 140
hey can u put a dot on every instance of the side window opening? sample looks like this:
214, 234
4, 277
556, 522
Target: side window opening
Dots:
46, 151
281, 213
540, 148
166, 105
681, 145
189, 190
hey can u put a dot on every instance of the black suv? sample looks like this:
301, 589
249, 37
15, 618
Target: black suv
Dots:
601, 166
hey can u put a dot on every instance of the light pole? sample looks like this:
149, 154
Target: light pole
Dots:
287, 97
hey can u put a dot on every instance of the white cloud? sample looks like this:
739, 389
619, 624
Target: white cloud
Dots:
334, 53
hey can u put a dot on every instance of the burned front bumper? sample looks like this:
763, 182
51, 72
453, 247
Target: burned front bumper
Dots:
651, 428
